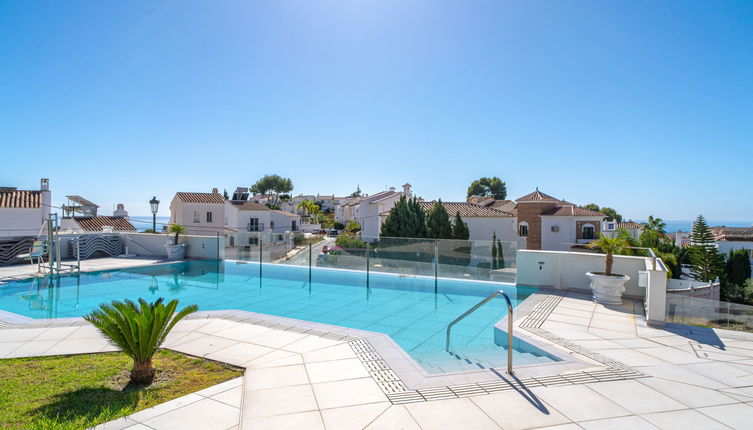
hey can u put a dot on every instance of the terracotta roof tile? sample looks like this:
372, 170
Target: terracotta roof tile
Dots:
20, 199
630, 225
96, 223
470, 210
200, 197
537, 196
250, 206
571, 210
286, 214
732, 234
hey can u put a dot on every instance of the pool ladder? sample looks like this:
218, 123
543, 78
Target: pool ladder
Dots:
473, 309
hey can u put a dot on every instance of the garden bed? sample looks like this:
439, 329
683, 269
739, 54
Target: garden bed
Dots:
80, 391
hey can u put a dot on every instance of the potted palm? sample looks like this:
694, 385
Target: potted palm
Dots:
138, 329
608, 287
175, 250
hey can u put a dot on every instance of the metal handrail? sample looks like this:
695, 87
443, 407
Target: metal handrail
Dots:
473, 309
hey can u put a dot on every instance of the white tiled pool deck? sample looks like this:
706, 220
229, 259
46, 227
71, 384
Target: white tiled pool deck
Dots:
676, 378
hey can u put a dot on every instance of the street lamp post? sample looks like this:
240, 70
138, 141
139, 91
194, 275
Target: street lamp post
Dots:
154, 203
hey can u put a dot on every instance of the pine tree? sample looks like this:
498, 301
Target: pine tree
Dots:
438, 224
707, 262
460, 228
406, 219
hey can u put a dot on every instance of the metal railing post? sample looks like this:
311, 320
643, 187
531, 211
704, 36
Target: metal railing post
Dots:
436, 266
509, 324
368, 266
309, 262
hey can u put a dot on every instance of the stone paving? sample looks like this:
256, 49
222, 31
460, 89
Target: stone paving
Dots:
689, 378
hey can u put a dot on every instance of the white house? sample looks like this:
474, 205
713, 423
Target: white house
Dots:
611, 227
24, 212
248, 223
733, 239
202, 213
483, 222
368, 210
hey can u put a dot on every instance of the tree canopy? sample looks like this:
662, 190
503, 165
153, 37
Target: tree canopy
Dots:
707, 262
655, 224
612, 215
488, 187
438, 224
460, 228
406, 219
272, 186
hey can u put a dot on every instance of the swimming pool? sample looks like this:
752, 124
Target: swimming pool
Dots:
410, 310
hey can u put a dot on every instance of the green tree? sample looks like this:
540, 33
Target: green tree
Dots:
438, 224
649, 239
353, 227
177, 229
138, 329
309, 206
337, 225
610, 246
611, 214
225, 194
737, 272
357, 192
489, 187
498, 256
460, 228
272, 186
655, 224
405, 219
707, 262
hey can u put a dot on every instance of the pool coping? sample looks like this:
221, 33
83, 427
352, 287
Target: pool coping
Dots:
403, 380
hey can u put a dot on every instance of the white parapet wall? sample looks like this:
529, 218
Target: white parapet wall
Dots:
567, 270
153, 245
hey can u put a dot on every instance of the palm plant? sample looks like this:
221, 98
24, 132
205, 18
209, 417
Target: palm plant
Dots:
655, 224
138, 329
610, 246
177, 229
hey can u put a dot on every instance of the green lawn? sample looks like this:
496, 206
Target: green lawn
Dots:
79, 391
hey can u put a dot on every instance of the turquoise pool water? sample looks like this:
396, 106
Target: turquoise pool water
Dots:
406, 308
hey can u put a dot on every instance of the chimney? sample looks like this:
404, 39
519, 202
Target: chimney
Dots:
44, 184
406, 189
215, 191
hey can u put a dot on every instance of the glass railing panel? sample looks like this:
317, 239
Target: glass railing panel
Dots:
685, 309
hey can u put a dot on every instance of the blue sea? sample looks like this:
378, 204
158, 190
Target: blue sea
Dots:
687, 225
145, 222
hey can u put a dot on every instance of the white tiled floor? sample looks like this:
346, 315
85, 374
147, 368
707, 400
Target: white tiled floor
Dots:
304, 381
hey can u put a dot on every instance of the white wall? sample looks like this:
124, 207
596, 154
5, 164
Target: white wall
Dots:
559, 241
183, 213
153, 245
22, 222
568, 269
483, 228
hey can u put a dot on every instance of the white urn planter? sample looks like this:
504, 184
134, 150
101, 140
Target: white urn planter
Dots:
175, 252
607, 290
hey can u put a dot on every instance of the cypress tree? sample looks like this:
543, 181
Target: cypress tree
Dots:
460, 228
438, 224
707, 262
406, 219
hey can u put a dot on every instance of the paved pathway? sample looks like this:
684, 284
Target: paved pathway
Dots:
696, 378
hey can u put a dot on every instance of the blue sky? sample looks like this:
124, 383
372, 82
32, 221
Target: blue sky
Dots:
644, 106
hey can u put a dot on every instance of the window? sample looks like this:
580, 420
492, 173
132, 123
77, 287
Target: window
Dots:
555, 228
295, 228
253, 240
610, 226
523, 229
588, 231
196, 217
232, 241
253, 224
272, 225
209, 216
